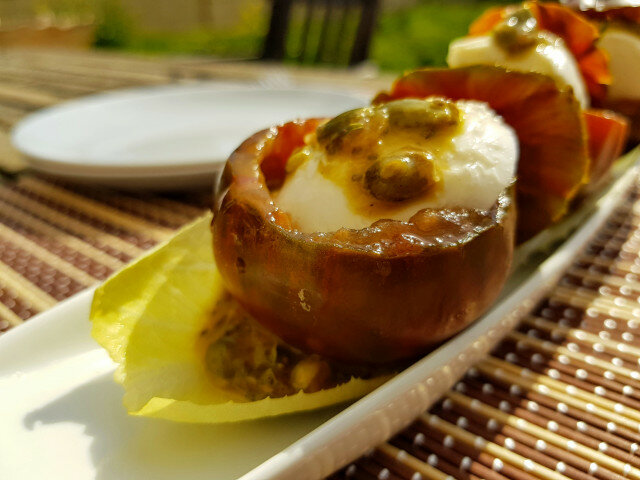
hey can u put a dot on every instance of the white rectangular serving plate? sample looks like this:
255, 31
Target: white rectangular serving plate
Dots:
61, 413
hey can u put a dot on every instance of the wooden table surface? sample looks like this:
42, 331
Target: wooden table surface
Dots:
559, 398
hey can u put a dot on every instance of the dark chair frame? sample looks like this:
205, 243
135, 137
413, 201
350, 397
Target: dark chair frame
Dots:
275, 42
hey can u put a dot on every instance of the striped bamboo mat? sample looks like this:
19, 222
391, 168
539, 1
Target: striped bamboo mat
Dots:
56, 240
558, 398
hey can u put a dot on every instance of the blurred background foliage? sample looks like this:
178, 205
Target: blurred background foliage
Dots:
408, 34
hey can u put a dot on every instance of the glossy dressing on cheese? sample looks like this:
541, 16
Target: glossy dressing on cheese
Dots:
387, 164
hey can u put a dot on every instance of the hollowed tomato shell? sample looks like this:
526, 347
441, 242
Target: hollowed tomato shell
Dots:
367, 296
630, 108
554, 161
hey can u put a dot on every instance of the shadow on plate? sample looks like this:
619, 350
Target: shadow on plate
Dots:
126, 447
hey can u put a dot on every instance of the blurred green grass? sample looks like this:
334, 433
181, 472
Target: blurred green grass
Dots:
196, 42
405, 38
420, 35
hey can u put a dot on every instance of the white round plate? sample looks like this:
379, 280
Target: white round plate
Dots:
169, 136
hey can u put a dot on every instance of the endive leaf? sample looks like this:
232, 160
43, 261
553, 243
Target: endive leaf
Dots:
149, 317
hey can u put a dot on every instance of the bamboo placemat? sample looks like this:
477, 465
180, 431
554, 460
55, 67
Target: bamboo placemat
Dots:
558, 398
57, 239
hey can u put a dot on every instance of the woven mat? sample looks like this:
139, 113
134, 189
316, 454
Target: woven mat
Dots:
56, 240
558, 398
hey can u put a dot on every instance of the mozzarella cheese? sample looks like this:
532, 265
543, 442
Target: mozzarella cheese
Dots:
624, 61
550, 57
474, 166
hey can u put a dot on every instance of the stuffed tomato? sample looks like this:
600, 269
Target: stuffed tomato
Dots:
375, 235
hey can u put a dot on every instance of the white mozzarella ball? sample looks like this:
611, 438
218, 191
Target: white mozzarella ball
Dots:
315, 203
482, 161
550, 57
624, 61
476, 166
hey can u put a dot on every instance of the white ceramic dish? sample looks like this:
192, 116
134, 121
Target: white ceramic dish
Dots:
61, 414
168, 136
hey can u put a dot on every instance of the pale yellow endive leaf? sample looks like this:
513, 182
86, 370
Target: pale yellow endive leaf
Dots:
148, 317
